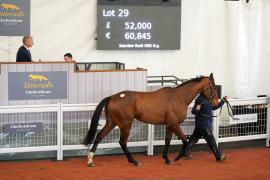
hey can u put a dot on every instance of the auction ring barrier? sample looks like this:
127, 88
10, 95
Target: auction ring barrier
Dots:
61, 127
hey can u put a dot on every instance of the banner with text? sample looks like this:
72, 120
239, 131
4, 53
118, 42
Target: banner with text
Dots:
22, 127
243, 118
37, 85
14, 17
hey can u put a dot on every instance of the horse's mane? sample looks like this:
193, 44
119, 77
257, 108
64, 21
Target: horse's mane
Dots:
197, 79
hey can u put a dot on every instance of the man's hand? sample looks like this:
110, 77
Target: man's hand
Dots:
198, 107
225, 97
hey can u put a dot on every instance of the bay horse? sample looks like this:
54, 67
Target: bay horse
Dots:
167, 106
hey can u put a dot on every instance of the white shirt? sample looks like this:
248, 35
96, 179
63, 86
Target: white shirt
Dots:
26, 48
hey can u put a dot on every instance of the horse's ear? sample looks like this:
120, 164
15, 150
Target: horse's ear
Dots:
211, 76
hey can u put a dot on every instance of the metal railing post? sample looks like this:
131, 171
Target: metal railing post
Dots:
59, 132
150, 140
268, 123
216, 127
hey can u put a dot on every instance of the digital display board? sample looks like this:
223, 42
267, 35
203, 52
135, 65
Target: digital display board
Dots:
139, 25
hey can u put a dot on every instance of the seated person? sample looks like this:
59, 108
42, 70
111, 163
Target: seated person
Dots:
68, 58
24, 54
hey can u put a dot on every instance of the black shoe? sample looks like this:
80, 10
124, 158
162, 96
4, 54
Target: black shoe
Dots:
188, 157
222, 158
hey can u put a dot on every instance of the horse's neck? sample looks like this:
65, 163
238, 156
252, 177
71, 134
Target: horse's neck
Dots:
188, 92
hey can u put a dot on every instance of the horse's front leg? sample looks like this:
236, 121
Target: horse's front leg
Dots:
179, 133
124, 133
167, 144
182, 152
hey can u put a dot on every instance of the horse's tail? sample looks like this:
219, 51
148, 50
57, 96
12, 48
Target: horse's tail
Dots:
88, 139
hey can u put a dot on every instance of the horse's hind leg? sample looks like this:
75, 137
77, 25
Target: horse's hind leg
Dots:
124, 133
167, 144
179, 133
104, 131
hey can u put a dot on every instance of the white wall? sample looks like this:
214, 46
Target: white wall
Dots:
231, 39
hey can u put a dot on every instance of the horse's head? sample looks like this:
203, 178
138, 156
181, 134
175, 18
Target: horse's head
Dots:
210, 90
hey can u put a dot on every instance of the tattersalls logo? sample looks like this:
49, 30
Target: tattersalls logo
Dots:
9, 6
37, 77
11, 10
36, 81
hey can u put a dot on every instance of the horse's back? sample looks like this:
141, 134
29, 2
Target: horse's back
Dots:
146, 106
162, 95
131, 95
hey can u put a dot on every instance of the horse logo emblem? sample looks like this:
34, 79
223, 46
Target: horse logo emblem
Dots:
9, 6
33, 77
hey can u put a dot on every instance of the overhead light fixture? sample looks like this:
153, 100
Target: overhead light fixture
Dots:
161, 0
247, 1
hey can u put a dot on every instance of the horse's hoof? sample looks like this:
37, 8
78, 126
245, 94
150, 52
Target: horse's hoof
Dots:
137, 164
177, 158
168, 162
91, 164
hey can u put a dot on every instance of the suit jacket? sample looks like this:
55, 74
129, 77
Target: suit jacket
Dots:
23, 55
204, 117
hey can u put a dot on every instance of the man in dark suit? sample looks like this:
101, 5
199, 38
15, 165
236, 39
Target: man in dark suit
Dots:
24, 54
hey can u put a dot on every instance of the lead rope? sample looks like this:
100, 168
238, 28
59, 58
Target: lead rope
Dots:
229, 107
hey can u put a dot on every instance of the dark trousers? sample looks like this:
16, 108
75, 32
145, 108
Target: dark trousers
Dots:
208, 136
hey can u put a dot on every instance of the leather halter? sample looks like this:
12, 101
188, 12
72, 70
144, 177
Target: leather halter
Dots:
211, 89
